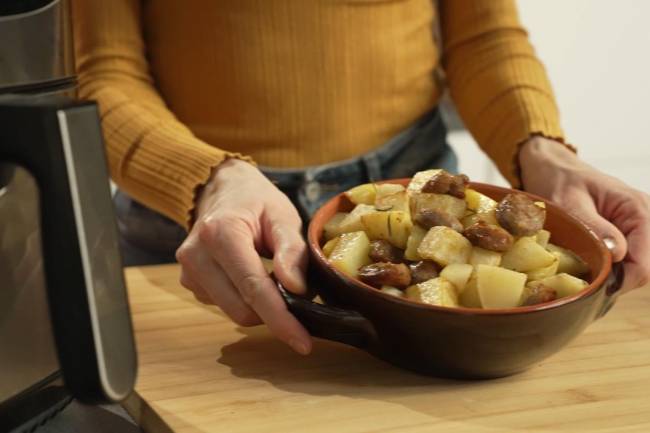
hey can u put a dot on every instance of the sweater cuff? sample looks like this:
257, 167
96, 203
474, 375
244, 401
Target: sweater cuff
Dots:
166, 169
517, 180
514, 117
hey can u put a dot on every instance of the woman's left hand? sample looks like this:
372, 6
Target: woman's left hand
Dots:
619, 214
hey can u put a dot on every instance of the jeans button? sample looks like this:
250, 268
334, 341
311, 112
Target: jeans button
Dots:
312, 191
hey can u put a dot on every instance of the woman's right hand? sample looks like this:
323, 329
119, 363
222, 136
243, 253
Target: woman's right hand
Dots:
239, 214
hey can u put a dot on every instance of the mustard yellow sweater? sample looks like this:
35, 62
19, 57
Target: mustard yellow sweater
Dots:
182, 85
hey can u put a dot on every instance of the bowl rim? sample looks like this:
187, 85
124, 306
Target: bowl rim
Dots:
594, 286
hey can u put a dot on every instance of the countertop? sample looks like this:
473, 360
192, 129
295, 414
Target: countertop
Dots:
199, 372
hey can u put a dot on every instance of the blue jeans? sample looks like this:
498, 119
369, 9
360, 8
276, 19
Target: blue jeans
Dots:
147, 237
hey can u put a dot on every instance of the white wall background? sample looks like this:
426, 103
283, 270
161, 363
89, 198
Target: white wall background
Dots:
597, 54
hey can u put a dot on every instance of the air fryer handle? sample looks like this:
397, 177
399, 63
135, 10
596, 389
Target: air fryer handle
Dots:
86, 320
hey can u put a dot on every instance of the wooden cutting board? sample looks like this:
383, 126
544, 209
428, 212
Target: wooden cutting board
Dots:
201, 373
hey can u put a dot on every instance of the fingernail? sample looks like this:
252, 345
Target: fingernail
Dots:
609, 243
299, 346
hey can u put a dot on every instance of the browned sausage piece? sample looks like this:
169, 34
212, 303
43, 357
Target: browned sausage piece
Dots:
520, 215
488, 236
446, 183
428, 218
539, 294
384, 251
439, 183
385, 274
423, 271
458, 185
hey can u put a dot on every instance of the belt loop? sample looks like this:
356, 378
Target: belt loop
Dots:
308, 175
311, 188
373, 167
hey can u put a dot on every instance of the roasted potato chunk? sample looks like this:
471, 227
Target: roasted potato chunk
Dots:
445, 246
479, 203
384, 189
399, 201
469, 297
352, 221
453, 206
351, 253
332, 228
413, 242
329, 246
385, 274
481, 256
362, 194
563, 284
391, 226
570, 263
545, 272
458, 274
499, 287
526, 255
435, 292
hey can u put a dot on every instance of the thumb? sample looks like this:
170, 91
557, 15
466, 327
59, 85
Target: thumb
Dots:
289, 256
582, 206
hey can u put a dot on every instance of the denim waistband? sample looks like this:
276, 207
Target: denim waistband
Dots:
421, 146
368, 167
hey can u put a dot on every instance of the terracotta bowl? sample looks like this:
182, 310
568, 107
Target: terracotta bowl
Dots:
455, 342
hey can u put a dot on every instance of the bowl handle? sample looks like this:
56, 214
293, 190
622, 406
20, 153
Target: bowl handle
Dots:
613, 285
331, 323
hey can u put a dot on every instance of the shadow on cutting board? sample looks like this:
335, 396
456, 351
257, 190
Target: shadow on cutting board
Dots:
336, 369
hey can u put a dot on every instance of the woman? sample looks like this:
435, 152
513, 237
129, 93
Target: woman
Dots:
321, 95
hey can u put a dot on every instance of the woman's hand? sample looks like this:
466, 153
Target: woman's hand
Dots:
240, 213
619, 214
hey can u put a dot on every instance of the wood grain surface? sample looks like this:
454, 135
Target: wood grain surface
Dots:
201, 373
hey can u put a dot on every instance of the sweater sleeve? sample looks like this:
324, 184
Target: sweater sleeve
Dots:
152, 155
497, 83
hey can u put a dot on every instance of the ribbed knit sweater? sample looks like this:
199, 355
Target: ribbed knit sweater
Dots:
182, 85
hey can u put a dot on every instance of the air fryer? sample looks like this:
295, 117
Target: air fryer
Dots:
65, 328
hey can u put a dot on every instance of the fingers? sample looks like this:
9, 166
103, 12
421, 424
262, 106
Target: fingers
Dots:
636, 275
232, 247
289, 255
211, 285
630, 211
195, 288
637, 262
582, 206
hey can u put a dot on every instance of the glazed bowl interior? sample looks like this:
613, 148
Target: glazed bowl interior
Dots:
566, 231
